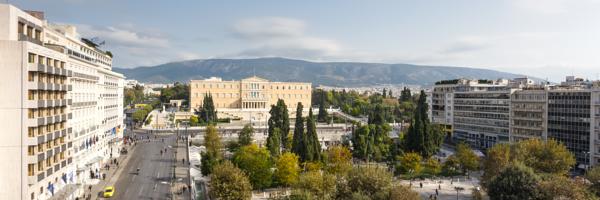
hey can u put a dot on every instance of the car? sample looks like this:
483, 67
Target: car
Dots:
109, 191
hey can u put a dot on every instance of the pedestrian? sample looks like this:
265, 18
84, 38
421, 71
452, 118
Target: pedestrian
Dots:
436, 192
90, 188
440, 186
421, 185
183, 161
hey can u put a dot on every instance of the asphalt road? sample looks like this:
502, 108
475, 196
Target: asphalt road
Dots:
156, 171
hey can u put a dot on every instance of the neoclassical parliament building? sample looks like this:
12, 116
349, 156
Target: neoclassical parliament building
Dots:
249, 98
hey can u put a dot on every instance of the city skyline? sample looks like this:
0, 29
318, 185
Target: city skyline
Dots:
541, 40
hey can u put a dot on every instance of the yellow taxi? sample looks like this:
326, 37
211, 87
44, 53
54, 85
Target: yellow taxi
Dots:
108, 191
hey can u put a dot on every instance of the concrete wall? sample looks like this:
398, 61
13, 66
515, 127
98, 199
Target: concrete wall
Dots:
13, 169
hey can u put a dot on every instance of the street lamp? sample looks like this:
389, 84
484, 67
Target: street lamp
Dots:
457, 190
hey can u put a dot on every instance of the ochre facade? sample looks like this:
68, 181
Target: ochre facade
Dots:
252, 93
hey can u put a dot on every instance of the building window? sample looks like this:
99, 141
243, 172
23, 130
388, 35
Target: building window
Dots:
31, 58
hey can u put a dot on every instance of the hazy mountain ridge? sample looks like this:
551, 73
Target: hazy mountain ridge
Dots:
319, 73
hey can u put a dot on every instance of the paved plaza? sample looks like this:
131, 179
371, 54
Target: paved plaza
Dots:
446, 187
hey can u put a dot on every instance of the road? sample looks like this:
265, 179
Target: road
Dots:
156, 171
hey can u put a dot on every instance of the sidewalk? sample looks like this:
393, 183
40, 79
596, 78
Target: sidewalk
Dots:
182, 170
111, 176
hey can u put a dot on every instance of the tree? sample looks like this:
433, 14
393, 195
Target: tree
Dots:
498, 157
561, 187
208, 162
405, 94
279, 119
516, 181
245, 137
316, 185
409, 163
451, 166
212, 141
208, 113
384, 93
323, 115
390, 94
227, 182
287, 169
194, 120
313, 146
274, 142
545, 156
432, 167
360, 142
467, 158
298, 140
422, 136
371, 181
338, 160
139, 115
593, 175
212, 155
256, 163
403, 192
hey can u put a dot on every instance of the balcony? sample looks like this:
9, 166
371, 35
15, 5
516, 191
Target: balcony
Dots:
36, 67
23, 37
35, 85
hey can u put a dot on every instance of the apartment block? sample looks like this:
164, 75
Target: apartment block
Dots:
481, 113
49, 74
528, 113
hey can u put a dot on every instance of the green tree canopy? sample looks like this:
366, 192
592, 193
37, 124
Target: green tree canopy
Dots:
313, 147
498, 157
213, 154
245, 136
208, 112
287, 169
338, 160
372, 181
467, 158
227, 182
593, 175
299, 137
316, 185
323, 115
545, 156
422, 136
515, 182
256, 163
279, 119
409, 163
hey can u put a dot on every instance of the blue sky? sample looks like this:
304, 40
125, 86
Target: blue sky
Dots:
546, 39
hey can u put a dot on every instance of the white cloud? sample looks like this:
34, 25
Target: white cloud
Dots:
284, 37
132, 46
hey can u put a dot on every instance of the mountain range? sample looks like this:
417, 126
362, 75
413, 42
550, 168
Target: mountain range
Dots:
347, 74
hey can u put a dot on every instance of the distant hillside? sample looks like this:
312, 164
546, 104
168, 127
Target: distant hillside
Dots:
319, 73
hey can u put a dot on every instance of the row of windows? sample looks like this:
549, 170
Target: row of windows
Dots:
44, 164
45, 129
250, 86
34, 58
29, 31
45, 95
253, 94
46, 78
45, 112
